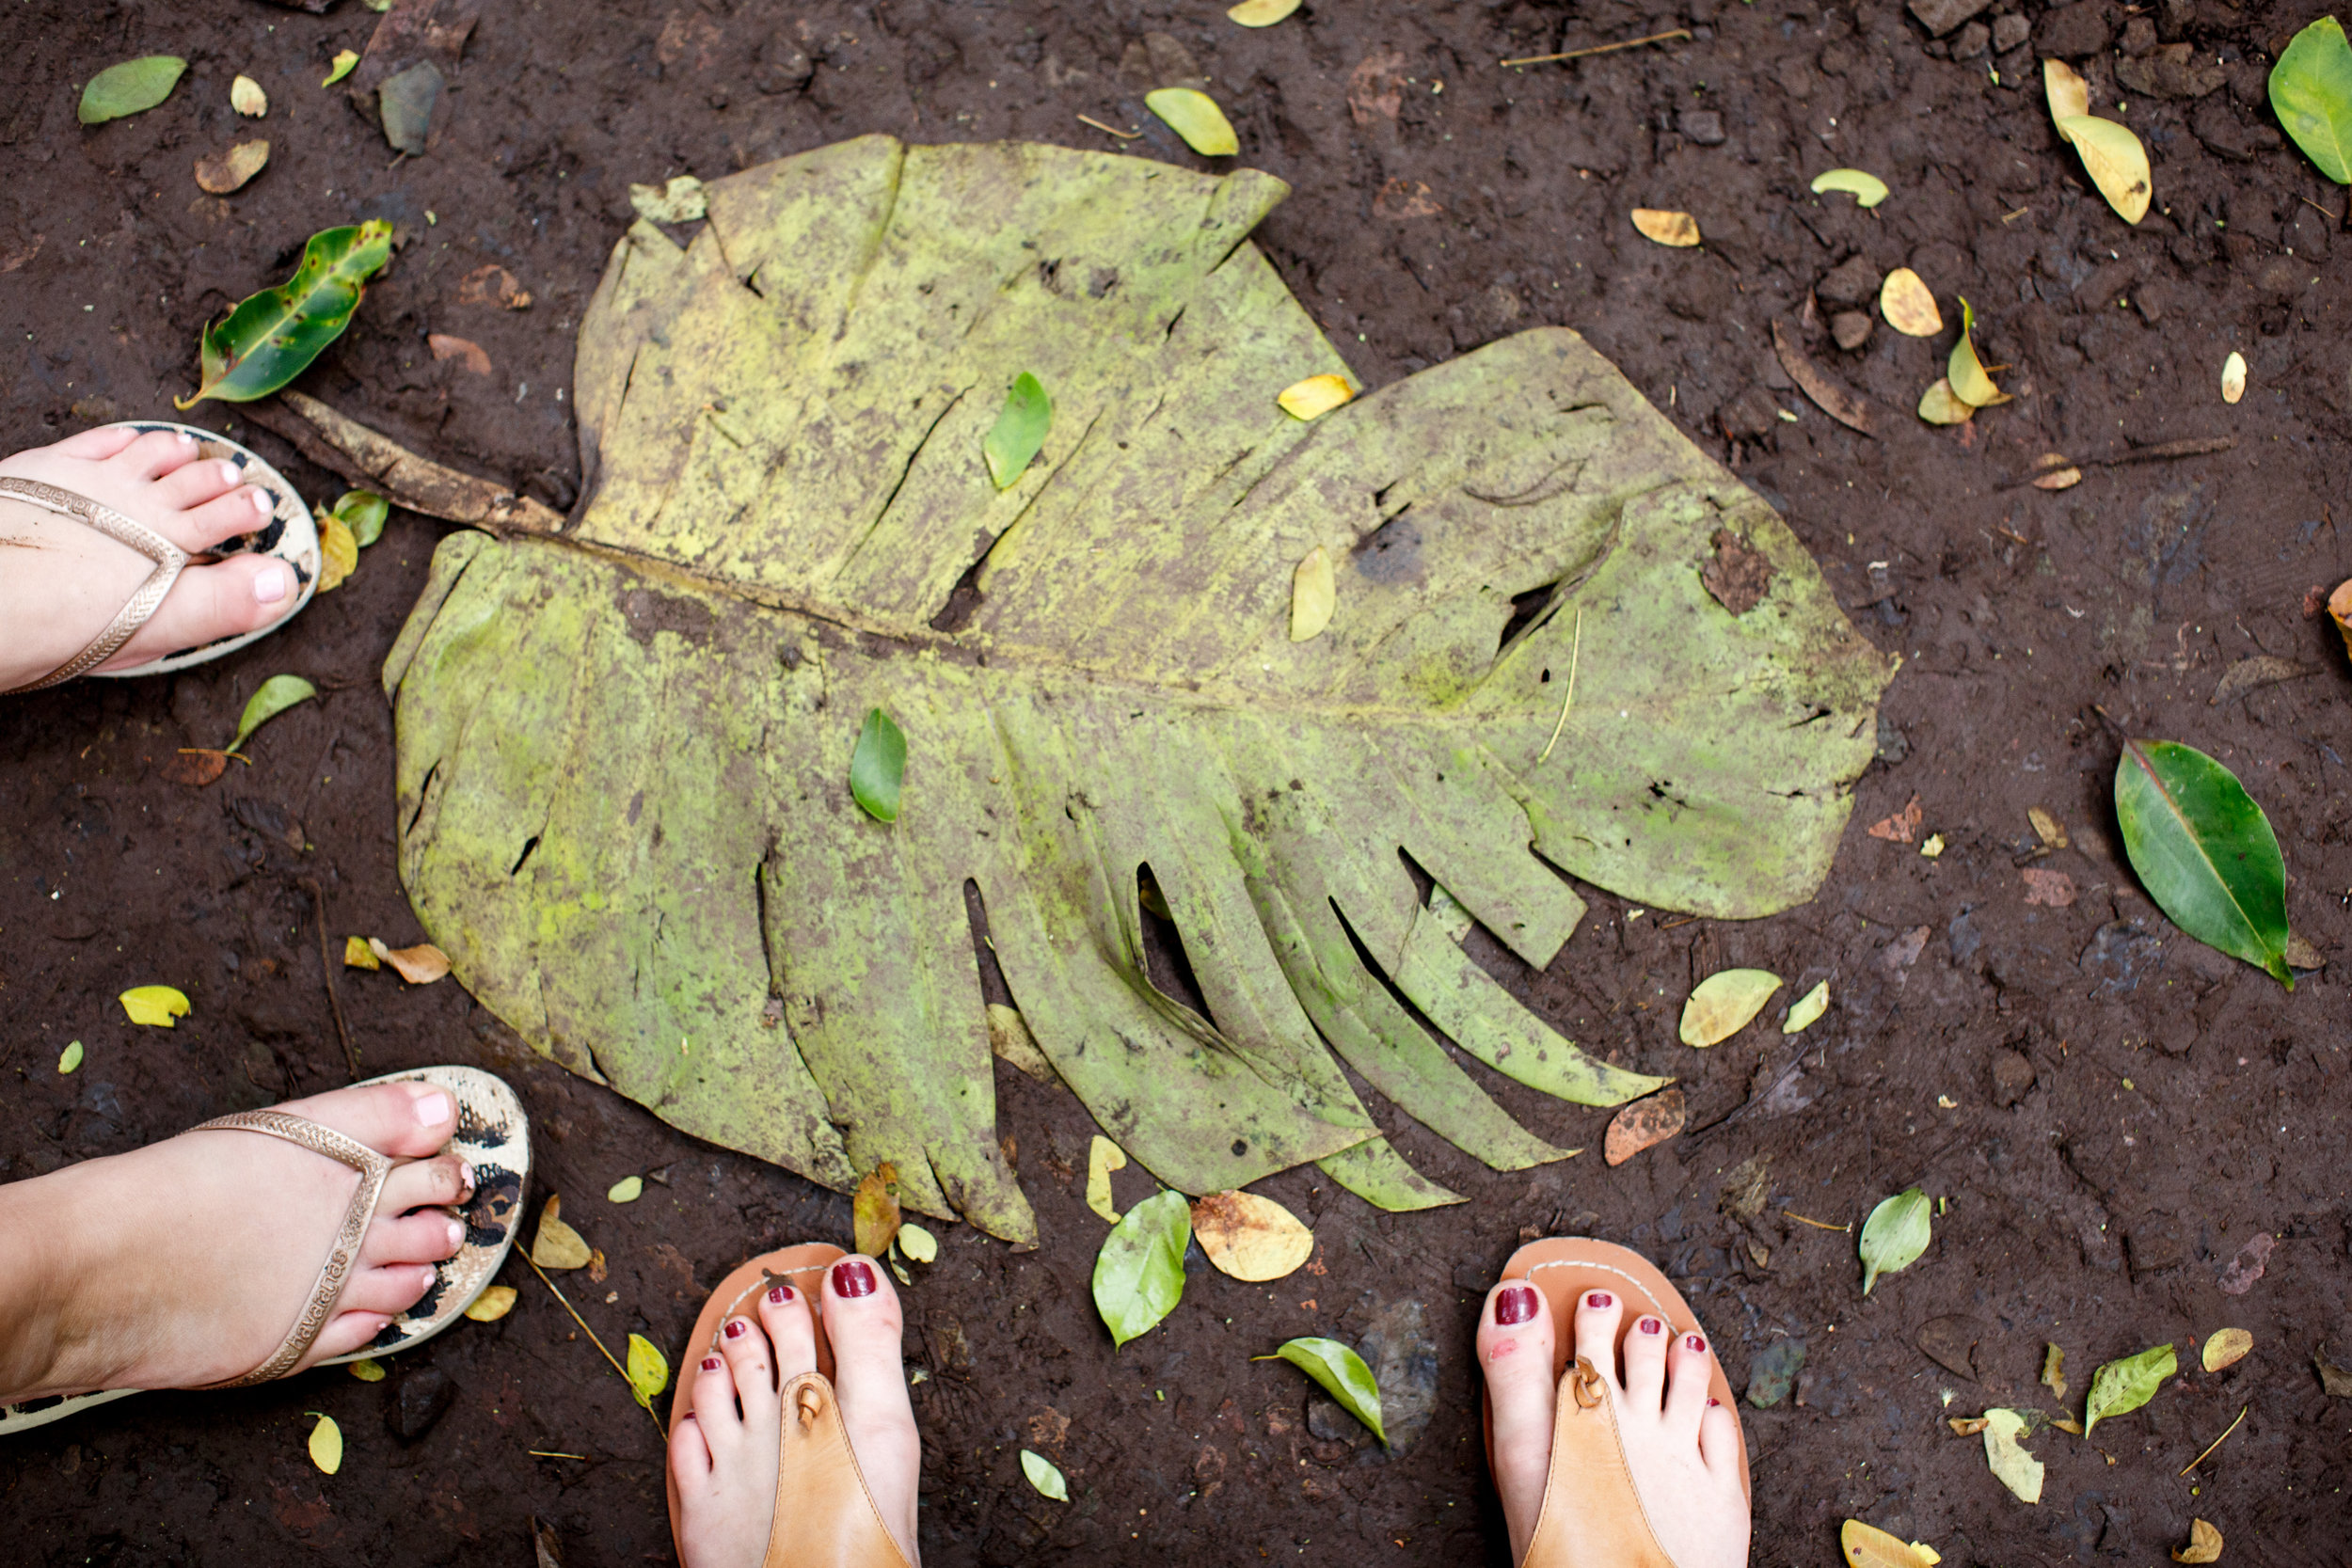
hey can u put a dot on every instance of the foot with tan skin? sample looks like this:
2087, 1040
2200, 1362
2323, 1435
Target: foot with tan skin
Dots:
185, 1264
1680, 1445
723, 1455
62, 583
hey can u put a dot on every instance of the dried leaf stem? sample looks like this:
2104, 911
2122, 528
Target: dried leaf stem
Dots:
2218, 1441
1602, 48
1576, 650
1818, 1224
1122, 135
327, 972
618, 1369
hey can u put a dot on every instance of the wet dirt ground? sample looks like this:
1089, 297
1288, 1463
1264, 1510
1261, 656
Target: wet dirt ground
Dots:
2114, 1117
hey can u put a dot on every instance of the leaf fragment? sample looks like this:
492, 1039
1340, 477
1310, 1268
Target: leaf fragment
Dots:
1261, 13
1042, 1471
1342, 1374
342, 66
130, 88
1194, 116
1645, 1124
419, 965
246, 97
1940, 405
2048, 829
1139, 1274
2225, 1347
1967, 1426
629, 1189
875, 1209
275, 696
70, 1057
878, 766
1103, 1157
1725, 1002
1314, 596
223, 172
358, 955
2017, 1469
338, 553
154, 1006
2125, 1384
1897, 1232
556, 1245
1250, 1237
405, 102
1316, 396
2056, 472
1868, 189
2204, 1543
494, 1303
648, 1369
1807, 1009
326, 1444
1832, 396
1909, 306
271, 336
2054, 1369
1018, 433
1866, 1547
368, 1369
2233, 377
2204, 851
2067, 93
1678, 230
1964, 372
2311, 92
363, 512
2115, 160
2334, 1381
1008, 1039
681, 199
918, 1244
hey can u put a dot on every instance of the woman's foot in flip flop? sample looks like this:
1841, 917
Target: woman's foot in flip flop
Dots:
185, 1263
61, 583
724, 1456
1682, 1448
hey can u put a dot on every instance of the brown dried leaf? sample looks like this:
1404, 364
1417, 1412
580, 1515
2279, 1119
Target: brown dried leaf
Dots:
1679, 229
1901, 828
2300, 954
597, 1267
224, 172
1909, 306
1642, 1125
2052, 890
1967, 1426
2054, 1369
2057, 472
1250, 1237
1951, 1342
557, 1245
469, 354
2333, 1380
1405, 199
1832, 396
419, 965
1740, 575
2340, 610
1376, 87
2249, 674
492, 285
193, 765
876, 1209
2204, 1543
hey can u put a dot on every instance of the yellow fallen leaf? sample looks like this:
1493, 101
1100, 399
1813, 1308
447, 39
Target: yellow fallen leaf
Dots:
2204, 1543
1250, 1237
1964, 372
2226, 1348
1261, 13
1940, 405
492, 1304
1195, 117
1808, 1008
326, 1443
1313, 596
358, 955
2233, 377
648, 1369
1866, 1547
919, 1245
1009, 1038
2068, 94
338, 551
874, 1212
223, 172
2048, 829
1868, 189
70, 1057
1723, 1003
1317, 394
629, 1189
1909, 304
2054, 1369
1928, 1554
340, 66
557, 1245
419, 965
2115, 160
1933, 847
1678, 230
246, 97
2017, 1469
1102, 1159
2068, 1423
368, 1369
154, 1005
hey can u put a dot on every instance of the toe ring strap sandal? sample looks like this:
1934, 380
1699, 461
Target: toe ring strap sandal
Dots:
169, 560
825, 1516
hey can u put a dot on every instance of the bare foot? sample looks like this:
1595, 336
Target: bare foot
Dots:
1682, 1448
724, 1456
185, 1263
61, 583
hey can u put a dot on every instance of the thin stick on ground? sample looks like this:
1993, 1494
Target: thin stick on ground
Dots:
1818, 1224
2218, 1442
1601, 48
1576, 650
1122, 135
618, 1369
327, 972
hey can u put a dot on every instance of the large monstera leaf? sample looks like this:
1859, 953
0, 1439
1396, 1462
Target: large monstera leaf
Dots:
623, 748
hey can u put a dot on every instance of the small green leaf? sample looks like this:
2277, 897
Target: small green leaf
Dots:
1868, 189
648, 1371
344, 60
1342, 1374
879, 766
129, 88
1894, 1236
363, 512
2017, 1469
2204, 851
368, 1369
2311, 92
919, 1245
1195, 117
629, 1189
1020, 430
1808, 1011
271, 338
1044, 1477
326, 1443
2125, 1385
1965, 371
70, 1057
277, 695
1139, 1274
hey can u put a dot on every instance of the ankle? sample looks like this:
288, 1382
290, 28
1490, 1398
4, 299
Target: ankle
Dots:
51, 1287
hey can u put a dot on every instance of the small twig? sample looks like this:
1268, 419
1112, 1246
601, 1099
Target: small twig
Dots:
1818, 1224
327, 972
1576, 651
618, 1369
549, 1453
1122, 135
1601, 48
2218, 1441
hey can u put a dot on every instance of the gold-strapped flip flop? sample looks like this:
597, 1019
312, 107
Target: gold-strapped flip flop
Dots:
1593, 1515
290, 534
832, 1520
493, 1136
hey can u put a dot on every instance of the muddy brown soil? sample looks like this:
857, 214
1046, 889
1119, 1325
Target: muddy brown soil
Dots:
2112, 1113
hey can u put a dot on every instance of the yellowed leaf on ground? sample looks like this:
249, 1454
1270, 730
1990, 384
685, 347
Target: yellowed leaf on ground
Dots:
224, 172
1808, 1011
1194, 116
1867, 1547
1645, 1124
1009, 1038
1928, 1554
1909, 306
339, 552
1313, 596
1317, 394
629, 1189
246, 97
2204, 1543
1261, 13
70, 1057
493, 1304
1967, 1426
2233, 377
2116, 161
326, 1444
648, 1369
2054, 1369
1940, 405
2048, 829
154, 1005
2339, 611
2226, 1348
2068, 94
1250, 1237
1964, 372
340, 66
1102, 1159
917, 1245
1868, 189
358, 955
2057, 472
1723, 1003
419, 965
368, 1369
1679, 229
2017, 1469
874, 1212
557, 1245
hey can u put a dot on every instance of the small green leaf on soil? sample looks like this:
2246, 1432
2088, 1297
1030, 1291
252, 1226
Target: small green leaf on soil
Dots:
1040, 1470
2066, 92
1679, 230
629, 1189
154, 1005
1316, 396
1195, 117
1866, 1547
2125, 1385
246, 97
2233, 377
1103, 1157
326, 1444
277, 694
1018, 433
1897, 1232
1808, 1010
2054, 1369
345, 59
2204, 1543
2204, 851
1342, 1374
2311, 92
70, 1057
1250, 1237
2115, 160
493, 1304
368, 1369
406, 101
2017, 1469
271, 338
648, 1369
1139, 1274
1725, 1002
918, 1244
224, 172
129, 88
1940, 405
557, 1245
1773, 1372
2226, 1348
363, 512
1261, 13
1313, 596
1868, 189
879, 765
875, 1209
1645, 1123
682, 200
1964, 372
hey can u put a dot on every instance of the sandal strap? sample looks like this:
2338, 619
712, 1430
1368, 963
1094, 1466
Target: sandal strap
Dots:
373, 1168
169, 560
1592, 1516
832, 1520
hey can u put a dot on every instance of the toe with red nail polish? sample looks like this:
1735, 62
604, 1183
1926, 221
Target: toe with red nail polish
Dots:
851, 1277
1515, 1303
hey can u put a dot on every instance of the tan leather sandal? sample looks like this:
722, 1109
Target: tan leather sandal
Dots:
1593, 1515
825, 1517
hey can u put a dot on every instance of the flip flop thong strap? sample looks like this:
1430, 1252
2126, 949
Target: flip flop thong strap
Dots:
169, 560
831, 1521
373, 1168
1593, 1515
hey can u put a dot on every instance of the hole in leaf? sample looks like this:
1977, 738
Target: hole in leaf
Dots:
530, 846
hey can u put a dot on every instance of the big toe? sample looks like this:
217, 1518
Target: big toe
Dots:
1514, 1352
209, 604
405, 1121
865, 1324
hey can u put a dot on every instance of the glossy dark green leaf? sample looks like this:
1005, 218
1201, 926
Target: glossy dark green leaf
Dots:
271, 338
1342, 1374
277, 695
879, 766
1894, 1236
2311, 92
1020, 430
363, 512
1139, 1274
2204, 851
2125, 1385
130, 88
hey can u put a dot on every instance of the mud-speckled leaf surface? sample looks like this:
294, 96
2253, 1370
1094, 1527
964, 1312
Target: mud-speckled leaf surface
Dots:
623, 805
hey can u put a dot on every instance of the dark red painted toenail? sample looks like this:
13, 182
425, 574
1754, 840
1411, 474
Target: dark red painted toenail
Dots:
1694, 1344
735, 1328
853, 1278
711, 1363
1712, 1400
1652, 1325
779, 1294
1515, 1303
1597, 1300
